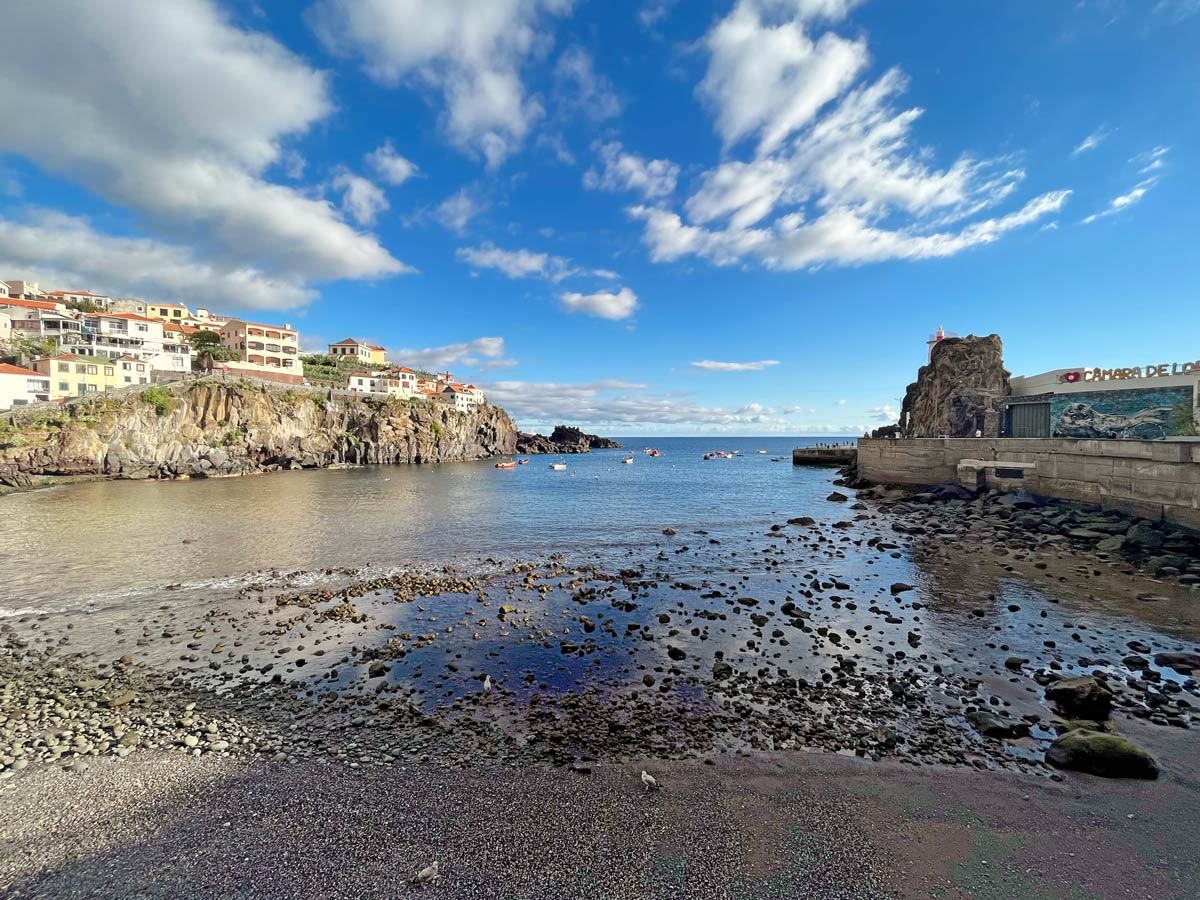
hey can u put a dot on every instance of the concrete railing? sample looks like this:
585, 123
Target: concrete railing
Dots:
1155, 479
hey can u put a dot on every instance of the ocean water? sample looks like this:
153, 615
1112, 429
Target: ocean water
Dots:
97, 544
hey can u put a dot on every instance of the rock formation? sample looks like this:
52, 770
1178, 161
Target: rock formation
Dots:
212, 427
563, 439
959, 392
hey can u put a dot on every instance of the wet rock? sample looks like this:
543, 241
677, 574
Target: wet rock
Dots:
1014, 663
900, 587
837, 497
676, 653
722, 670
1097, 753
1183, 663
994, 726
1084, 698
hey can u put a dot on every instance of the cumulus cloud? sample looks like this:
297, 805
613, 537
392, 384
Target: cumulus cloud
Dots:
619, 170
362, 200
471, 51
1091, 142
769, 77
525, 263
883, 413
54, 248
182, 132
710, 365
481, 353
390, 166
456, 211
606, 304
834, 176
580, 88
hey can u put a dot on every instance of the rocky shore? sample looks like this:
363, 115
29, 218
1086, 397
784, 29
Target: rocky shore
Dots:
212, 427
566, 665
563, 439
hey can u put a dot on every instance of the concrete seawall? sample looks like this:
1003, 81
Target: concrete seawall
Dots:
823, 456
1154, 479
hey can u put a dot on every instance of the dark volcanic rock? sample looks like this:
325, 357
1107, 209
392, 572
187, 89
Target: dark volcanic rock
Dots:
959, 392
1101, 754
563, 439
1084, 698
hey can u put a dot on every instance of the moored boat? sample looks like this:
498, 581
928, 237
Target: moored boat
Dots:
522, 462
507, 464
558, 466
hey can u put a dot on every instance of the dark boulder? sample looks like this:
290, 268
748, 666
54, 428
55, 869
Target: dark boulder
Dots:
1097, 753
1082, 698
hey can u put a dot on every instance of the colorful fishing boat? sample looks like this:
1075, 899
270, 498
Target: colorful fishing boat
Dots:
507, 464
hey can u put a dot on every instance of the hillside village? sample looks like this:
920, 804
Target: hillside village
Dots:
59, 344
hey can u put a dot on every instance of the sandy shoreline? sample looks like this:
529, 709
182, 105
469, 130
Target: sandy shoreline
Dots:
765, 826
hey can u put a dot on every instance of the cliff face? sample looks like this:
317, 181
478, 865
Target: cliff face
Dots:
959, 391
212, 427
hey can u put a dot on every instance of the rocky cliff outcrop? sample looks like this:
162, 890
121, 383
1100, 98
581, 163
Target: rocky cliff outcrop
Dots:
212, 427
959, 392
563, 439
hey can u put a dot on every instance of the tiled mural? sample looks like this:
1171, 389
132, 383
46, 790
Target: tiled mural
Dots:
1143, 414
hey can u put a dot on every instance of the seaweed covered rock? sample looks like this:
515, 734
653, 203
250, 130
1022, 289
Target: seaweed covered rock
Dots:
1097, 753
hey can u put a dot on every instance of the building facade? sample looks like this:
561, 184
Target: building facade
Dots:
368, 354
1147, 402
78, 376
265, 347
20, 387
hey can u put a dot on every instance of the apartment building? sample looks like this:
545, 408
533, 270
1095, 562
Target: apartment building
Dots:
100, 301
20, 387
78, 376
264, 346
369, 354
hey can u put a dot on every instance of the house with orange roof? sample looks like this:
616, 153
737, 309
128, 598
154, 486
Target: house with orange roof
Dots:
100, 301
20, 387
368, 354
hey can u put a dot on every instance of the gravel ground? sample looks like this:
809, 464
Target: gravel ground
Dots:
780, 826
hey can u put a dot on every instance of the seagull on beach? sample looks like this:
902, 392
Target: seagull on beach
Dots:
487, 684
649, 781
428, 874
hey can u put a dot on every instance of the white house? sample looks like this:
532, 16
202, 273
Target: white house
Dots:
100, 301
20, 387
399, 383
5, 328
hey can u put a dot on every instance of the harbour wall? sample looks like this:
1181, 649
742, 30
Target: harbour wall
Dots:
1153, 479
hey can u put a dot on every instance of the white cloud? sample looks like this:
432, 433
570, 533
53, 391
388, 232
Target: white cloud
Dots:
837, 181
883, 413
390, 166
471, 51
57, 249
362, 200
181, 132
1150, 161
526, 263
580, 88
1123, 201
456, 211
617, 402
606, 304
710, 365
1091, 142
621, 171
839, 403
481, 353
771, 79
654, 11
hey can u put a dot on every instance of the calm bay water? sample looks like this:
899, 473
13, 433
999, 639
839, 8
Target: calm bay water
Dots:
101, 543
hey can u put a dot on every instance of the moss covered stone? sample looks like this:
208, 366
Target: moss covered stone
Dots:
1097, 753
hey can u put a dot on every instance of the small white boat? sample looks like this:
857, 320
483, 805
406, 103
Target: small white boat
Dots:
763, 452
558, 466
628, 460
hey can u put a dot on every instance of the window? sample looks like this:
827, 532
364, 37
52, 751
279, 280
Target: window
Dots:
81, 369
20, 402
109, 371
128, 380
91, 389
64, 386
141, 368
64, 367
125, 366
143, 381
91, 370
142, 327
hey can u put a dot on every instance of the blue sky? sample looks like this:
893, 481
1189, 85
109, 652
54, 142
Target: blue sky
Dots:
738, 216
